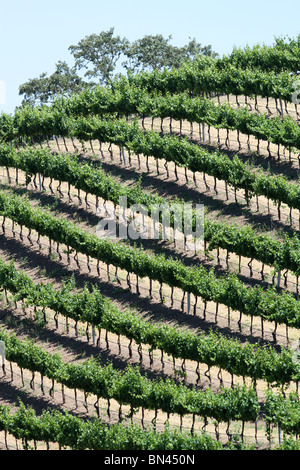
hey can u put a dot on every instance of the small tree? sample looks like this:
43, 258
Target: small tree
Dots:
150, 52
156, 53
44, 89
99, 54
194, 49
35, 90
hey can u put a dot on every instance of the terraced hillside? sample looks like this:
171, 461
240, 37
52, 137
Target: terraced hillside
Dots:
121, 343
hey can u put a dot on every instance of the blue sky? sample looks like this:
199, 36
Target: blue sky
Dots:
35, 35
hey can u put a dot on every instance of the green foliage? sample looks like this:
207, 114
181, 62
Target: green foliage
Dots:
241, 241
171, 92
99, 53
155, 53
44, 89
205, 76
212, 349
129, 387
72, 432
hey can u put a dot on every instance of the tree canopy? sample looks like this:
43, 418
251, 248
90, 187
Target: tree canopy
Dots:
97, 58
44, 89
156, 53
99, 53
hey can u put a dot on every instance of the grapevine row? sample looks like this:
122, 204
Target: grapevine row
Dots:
214, 349
92, 308
230, 81
172, 149
128, 100
241, 241
284, 55
135, 101
72, 432
131, 388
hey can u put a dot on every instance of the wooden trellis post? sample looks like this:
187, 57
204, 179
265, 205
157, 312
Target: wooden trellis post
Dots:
278, 278
279, 434
40, 181
281, 107
124, 156
188, 303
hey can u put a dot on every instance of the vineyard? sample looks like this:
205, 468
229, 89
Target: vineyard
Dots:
119, 343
